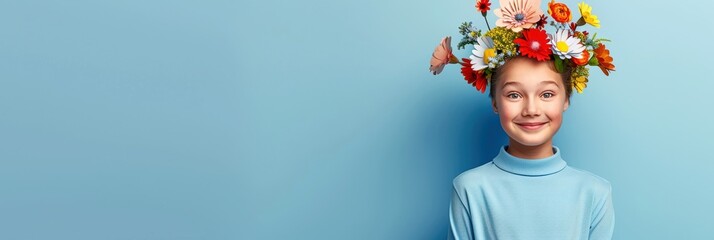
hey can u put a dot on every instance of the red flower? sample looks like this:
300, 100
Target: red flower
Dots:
573, 26
475, 78
542, 22
483, 6
534, 44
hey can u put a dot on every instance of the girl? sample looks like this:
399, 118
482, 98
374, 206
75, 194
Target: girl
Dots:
528, 191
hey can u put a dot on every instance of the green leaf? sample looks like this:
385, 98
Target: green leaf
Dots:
558, 64
593, 61
465, 41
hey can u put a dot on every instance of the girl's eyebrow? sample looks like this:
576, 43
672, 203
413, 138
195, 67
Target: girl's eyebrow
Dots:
549, 81
541, 83
506, 84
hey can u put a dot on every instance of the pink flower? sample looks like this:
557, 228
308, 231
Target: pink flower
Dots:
518, 14
442, 55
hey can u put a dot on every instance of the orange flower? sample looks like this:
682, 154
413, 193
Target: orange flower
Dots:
583, 60
559, 11
604, 59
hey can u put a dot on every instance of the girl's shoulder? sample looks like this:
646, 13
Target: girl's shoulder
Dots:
591, 179
474, 176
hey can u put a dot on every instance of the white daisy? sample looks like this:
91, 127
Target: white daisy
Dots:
482, 53
566, 46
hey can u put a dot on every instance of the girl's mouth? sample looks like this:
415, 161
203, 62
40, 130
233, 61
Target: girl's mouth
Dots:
531, 126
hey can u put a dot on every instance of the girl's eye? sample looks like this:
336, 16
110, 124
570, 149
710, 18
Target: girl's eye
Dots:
512, 95
548, 95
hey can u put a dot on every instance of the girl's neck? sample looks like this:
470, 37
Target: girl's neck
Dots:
530, 152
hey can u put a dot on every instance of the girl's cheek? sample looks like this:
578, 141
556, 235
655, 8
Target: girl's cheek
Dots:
506, 107
555, 112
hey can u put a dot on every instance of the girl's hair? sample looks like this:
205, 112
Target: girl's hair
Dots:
564, 76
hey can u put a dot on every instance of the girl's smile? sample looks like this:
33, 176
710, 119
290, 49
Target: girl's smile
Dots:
531, 126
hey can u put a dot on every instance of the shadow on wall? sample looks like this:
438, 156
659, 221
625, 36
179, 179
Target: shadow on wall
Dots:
463, 132
472, 131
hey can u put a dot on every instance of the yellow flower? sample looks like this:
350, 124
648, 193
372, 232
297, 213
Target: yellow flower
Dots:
587, 15
503, 38
580, 83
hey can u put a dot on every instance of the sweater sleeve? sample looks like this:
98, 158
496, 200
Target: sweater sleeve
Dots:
460, 219
603, 221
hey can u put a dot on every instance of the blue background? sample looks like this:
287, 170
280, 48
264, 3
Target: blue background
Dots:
318, 119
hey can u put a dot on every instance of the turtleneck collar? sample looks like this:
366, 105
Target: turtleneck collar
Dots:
529, 167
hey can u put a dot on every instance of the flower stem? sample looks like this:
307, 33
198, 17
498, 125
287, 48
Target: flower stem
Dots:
489, 27
453, 59
581, 21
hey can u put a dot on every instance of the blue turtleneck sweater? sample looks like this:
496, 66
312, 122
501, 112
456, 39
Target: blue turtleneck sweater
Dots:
516, 198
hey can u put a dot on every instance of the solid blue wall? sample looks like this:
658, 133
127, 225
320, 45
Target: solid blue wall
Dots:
318, 120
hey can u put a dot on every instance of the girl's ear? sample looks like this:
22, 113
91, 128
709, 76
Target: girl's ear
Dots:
493, 105
566, 105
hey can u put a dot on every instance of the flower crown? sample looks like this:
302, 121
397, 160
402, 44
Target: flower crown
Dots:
520, 31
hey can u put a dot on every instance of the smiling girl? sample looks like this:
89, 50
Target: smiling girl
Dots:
528, 191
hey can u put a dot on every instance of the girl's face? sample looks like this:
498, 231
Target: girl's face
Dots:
530, 100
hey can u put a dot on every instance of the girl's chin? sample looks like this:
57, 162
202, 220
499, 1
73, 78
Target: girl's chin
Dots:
531, 141
531, 144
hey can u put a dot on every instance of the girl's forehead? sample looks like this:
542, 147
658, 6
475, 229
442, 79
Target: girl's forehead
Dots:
524, 73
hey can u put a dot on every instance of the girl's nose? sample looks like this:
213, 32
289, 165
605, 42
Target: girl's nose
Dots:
531, 108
